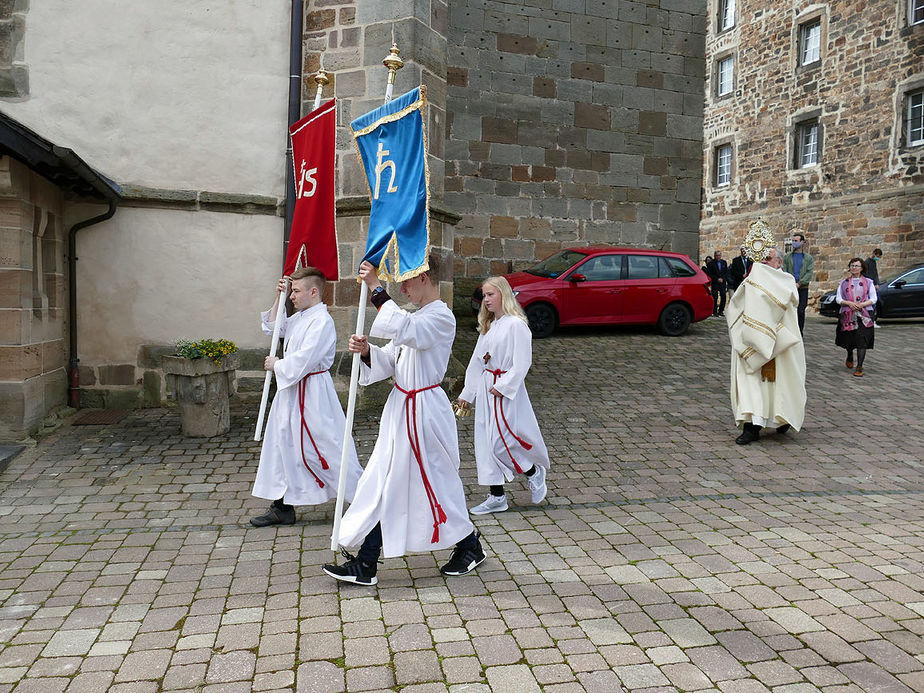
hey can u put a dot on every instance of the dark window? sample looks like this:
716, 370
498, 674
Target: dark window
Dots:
642, 267
675, 267
602, 268
914, 276
556, 264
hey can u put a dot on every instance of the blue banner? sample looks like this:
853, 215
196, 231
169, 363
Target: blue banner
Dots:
392, 148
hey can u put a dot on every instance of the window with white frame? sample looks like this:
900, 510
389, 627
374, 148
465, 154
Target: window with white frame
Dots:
808, 143
810, 41
723, 164
727, 14
915, 11
914, 118
725, 76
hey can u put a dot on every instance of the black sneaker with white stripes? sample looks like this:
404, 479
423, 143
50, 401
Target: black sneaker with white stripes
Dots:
354, 570
464, 560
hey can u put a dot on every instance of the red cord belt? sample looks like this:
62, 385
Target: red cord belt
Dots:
410, 420
304, 429
499, 403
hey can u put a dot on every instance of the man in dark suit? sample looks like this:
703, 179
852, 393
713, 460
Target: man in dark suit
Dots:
740, 267
718, 272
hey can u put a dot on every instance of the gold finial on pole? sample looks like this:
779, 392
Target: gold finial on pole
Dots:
321, 79
394, 63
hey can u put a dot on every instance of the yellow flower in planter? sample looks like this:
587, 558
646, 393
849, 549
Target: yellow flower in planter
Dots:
215, 349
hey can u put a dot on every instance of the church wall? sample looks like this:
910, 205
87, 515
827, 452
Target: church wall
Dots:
573, 123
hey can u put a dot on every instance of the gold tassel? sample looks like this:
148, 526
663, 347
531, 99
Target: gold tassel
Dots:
768, 371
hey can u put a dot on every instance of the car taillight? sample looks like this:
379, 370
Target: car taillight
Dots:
707, 286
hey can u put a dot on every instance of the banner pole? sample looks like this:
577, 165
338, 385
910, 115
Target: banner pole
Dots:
393, 63
320, 79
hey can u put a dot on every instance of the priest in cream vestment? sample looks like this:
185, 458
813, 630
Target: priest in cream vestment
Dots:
768, 357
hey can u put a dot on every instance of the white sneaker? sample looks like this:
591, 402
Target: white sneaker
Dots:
876, 325
493, 504
537, 485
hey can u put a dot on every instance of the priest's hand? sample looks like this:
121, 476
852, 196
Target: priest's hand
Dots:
359, 345
494, 392
281, 285
463, 404
368, 275
269, 362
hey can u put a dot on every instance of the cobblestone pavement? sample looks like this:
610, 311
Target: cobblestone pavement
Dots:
667, 558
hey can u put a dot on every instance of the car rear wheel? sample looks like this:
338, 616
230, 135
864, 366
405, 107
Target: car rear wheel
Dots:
675, 320
542, 319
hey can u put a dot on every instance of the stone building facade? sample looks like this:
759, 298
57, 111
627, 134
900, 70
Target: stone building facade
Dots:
813, 121
572, 122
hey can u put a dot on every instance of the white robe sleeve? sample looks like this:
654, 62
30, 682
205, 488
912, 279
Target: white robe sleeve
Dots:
381, 364
473, 373
306, 358
268, 321
520, 341
418, 330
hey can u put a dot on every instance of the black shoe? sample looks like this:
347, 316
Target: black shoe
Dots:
783, 429
464, 560
274, 516
354, 570
750, 434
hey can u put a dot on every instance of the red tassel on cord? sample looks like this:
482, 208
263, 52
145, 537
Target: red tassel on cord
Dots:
436, 533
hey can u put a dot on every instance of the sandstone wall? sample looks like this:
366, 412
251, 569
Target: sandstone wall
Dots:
866, 191
572, 123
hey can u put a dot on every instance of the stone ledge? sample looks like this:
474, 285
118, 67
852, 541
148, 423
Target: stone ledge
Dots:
358, 206
237, 203
240, 203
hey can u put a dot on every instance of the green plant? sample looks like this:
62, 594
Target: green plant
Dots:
215, 349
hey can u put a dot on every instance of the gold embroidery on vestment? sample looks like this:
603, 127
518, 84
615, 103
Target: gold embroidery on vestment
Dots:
761, 327
769, 295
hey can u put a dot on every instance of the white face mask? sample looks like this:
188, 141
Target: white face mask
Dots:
797, 244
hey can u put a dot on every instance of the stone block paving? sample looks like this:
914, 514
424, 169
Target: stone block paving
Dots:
666, 558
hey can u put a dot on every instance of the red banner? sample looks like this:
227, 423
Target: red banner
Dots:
313, 238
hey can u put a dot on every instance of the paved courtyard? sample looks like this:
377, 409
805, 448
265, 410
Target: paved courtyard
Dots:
666, 558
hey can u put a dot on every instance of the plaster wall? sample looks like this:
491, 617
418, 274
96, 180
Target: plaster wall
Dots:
162, 93
150, 276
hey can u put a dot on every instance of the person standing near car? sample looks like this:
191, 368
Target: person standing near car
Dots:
507, 436
872, 271
800, 265
740, 267
718, 272
767, 353
856, 295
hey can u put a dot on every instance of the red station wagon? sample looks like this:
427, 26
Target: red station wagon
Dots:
604, 286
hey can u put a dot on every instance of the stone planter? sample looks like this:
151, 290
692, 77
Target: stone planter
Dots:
202, 387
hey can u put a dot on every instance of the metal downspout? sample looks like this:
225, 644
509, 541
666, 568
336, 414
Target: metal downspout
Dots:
73, 395
295, 109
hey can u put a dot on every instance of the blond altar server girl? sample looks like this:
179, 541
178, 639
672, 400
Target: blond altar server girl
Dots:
507, 436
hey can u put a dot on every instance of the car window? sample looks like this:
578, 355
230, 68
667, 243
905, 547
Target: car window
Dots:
675, 267
556, 264
602, 268
643, 266
914, 276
